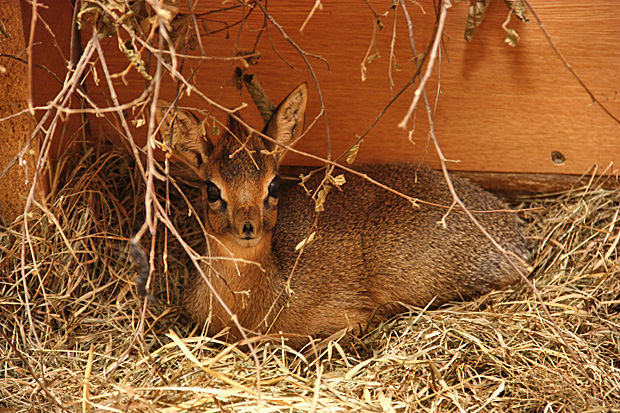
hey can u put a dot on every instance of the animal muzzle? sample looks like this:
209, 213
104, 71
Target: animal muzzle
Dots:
247, 222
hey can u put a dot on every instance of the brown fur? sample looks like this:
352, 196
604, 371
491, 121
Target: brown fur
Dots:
373, 248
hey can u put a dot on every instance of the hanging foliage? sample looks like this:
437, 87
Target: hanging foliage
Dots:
477, 10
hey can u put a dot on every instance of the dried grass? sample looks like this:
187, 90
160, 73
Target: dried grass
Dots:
70, 318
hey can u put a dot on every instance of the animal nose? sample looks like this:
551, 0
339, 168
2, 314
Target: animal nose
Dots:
248, 230
247, 222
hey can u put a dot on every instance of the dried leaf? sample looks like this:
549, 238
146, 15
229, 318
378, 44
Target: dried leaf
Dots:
167, 12
134, 57
260, 98
147, 23
339, 180
252, 56
475, 16
139, 258
373, 57
107, 26
306, 241
519, 9
181, 34
320, 199
141, 10
512, 37
139, 122
115, 5
238, 78
352, 151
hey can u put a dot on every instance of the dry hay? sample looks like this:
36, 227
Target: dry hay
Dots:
71, 323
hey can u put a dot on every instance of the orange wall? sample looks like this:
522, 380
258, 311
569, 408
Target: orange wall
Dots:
501, 109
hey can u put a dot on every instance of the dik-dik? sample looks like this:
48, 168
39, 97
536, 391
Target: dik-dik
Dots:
373, 249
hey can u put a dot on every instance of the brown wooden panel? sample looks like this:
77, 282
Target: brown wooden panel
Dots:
509, 185
50, 56
502, 109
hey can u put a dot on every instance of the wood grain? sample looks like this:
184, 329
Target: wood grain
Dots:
501, 109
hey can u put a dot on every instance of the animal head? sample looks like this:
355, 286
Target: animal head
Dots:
239, 173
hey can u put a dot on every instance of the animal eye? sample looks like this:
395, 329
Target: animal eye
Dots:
274, 187
213, 192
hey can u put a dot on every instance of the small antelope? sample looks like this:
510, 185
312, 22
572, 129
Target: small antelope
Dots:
373, 249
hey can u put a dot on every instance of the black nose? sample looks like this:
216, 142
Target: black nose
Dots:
248, 230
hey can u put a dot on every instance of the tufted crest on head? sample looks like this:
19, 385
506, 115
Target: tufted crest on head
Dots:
241, 153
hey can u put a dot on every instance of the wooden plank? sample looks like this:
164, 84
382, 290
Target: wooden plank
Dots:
501, 109
510, 185
514, 185
51, 55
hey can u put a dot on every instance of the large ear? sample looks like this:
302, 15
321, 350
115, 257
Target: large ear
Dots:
236, 130
287, 122
181, 128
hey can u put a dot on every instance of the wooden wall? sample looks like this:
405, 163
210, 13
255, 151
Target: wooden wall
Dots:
501, 109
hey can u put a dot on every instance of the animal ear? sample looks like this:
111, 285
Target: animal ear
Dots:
181, 127
287, 121
236, 130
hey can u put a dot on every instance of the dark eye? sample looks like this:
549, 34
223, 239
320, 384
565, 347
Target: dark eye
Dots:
213, 192
274, 187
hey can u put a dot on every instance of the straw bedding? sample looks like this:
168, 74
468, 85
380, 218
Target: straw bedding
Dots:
76, 337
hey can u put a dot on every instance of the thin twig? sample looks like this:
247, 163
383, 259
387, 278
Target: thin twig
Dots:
508, 257
317, 6
392, 61
568, 65
304, 55
37, 66
445, 5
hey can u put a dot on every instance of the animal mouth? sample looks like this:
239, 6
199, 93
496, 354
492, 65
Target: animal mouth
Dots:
248, 241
